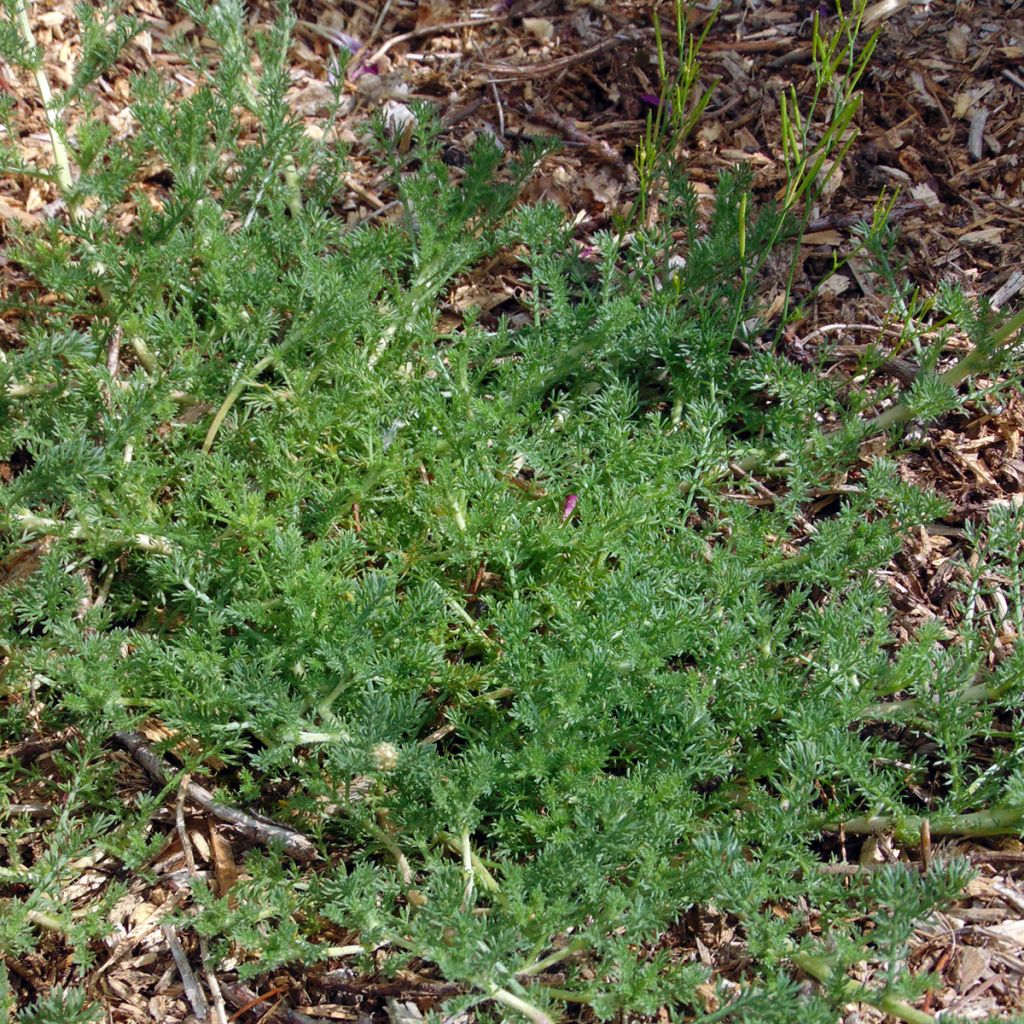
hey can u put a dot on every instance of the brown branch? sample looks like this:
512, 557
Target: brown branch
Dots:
569, 130
551, 67
193, 993
419, 33
244, 1000
252, 826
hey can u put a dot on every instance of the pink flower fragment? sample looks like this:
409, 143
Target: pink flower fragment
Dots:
344, 41
648, 99
567, 508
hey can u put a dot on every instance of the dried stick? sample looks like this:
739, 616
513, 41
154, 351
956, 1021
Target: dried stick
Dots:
427, 30
245, 999
255, 827
600, 149
138, 933
551, 67
193, 992
220, 1015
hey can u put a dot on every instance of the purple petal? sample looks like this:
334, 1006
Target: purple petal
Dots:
648, 99
363, 69
570, 504
344, 41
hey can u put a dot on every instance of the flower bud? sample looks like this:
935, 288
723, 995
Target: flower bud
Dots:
385, 757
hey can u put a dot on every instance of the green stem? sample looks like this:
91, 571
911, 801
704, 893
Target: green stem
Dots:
141, 541
62, 165
232, 397
47, 921
822, 971
902, 709
481, 873
17, 876
540, 966
469, 876
568, 995
976, 361
291, 180
473, 625
143, 354
997, 822
514, 1002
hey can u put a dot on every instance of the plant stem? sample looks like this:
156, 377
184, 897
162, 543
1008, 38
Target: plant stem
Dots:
996, 822
467, 870
294, 187
510, 999
47, 921
821, 970
902, 709
142, 541
976, 361
232, 397
480, 872
62, 164
540, 966
17, 876
143, 354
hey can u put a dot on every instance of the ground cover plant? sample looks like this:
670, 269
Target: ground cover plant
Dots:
520, 632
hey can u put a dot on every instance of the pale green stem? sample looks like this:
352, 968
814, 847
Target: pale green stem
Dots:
480, 872
821, 970
143, 354
305, 739
901, 709
470, 622
400, 859
467, 869
16, 876
153, 545
492, 696
291, 179
62, 164
514, 1002
540, 966
16, 390
142, 541
290, 172
997, 822
567, 995
976, 361
232, 397
41, 920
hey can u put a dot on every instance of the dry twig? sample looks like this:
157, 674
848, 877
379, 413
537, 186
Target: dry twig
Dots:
255, 827
190, 863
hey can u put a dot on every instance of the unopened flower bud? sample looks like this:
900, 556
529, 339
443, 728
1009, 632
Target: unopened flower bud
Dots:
385, 757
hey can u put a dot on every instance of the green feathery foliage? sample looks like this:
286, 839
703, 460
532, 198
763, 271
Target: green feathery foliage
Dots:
473, 611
